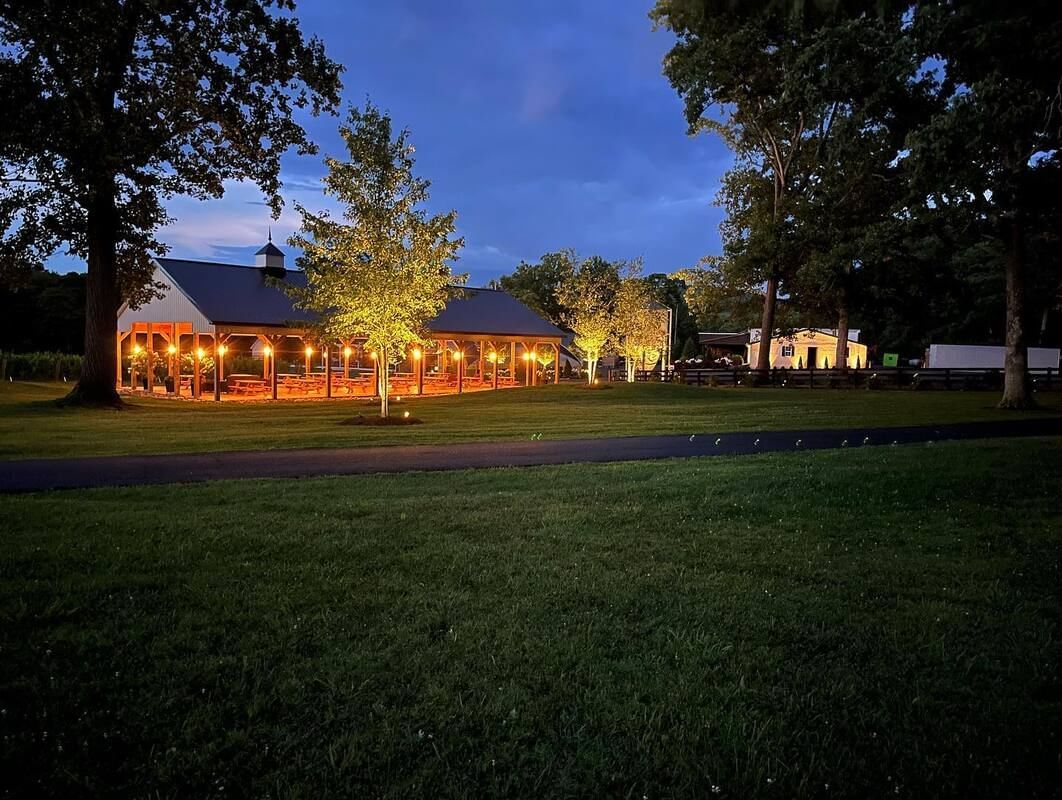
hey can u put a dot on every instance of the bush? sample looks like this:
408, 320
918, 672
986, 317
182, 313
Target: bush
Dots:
41, 366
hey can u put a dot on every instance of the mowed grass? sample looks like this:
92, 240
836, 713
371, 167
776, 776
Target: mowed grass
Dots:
32, 426
865, 623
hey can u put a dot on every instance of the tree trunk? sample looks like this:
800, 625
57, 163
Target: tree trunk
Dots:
96, 387
591, 369
1016, 389
840, 359
770, 297
383, 371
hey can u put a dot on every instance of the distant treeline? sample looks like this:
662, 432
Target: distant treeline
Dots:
44, 313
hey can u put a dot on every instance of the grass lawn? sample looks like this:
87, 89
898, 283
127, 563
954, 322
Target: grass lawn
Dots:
31, 426
878, 622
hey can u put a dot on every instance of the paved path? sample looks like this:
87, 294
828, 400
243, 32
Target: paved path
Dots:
40, 474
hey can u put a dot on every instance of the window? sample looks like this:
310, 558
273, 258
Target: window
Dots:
787, 351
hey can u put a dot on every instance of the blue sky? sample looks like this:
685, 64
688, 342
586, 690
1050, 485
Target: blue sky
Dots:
545, 125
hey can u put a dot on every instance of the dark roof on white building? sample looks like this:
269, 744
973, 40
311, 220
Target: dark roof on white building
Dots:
227, 294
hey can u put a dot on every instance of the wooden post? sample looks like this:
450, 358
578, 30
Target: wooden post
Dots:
197, 381
177, 358
556, 364
495, 370
118, 361
459, 357
418, 365
346, 360
376, 374
328, 371
132, 359
308, 352
150, 349
217, 368
273, 342
479, 363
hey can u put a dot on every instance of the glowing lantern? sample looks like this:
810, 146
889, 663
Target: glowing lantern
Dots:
171, 349
267, 351
309, 352
372, 355
200, 352
458, 355
493, 357
346, 352
417, 353
137, 349
222, 350
527, 356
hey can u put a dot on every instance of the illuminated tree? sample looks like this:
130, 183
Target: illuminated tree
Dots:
589, 294
640, 330
382, 272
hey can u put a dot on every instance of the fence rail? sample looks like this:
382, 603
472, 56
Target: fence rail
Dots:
873, 378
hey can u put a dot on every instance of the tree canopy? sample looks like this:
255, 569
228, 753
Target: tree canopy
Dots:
126, 103
383, 271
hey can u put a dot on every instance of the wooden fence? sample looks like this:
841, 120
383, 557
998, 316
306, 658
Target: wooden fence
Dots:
873, 378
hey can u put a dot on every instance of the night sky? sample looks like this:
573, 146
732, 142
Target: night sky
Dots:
545, 125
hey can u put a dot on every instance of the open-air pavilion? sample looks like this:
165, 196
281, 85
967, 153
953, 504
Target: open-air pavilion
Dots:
211, 316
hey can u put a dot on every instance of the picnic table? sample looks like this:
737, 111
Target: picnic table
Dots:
247, 384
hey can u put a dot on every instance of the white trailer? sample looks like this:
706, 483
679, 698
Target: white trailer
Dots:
968, 356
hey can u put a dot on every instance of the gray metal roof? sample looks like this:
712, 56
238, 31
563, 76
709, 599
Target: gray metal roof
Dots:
234, 295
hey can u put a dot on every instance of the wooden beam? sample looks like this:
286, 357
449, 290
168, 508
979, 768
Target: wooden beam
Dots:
197, 381
118, 361
177, 359
328, 371
150, 371
556, 363
217, 368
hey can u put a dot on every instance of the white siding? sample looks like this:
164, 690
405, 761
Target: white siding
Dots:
173, 306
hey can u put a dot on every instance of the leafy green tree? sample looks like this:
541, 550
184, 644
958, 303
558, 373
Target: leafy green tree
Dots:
383, 271
537, 285
689, 349
44, 312
639, 323
122, 104
589, 294
994, 151
717, 301
744, 65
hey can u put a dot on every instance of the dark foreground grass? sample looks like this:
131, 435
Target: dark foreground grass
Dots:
874, 623
32, 426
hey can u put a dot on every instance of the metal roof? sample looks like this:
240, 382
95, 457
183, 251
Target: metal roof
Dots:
270, 249
227, 294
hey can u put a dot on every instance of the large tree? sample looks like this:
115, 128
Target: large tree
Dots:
994, 152
738, 72
383, 271
124, 103
537, 285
